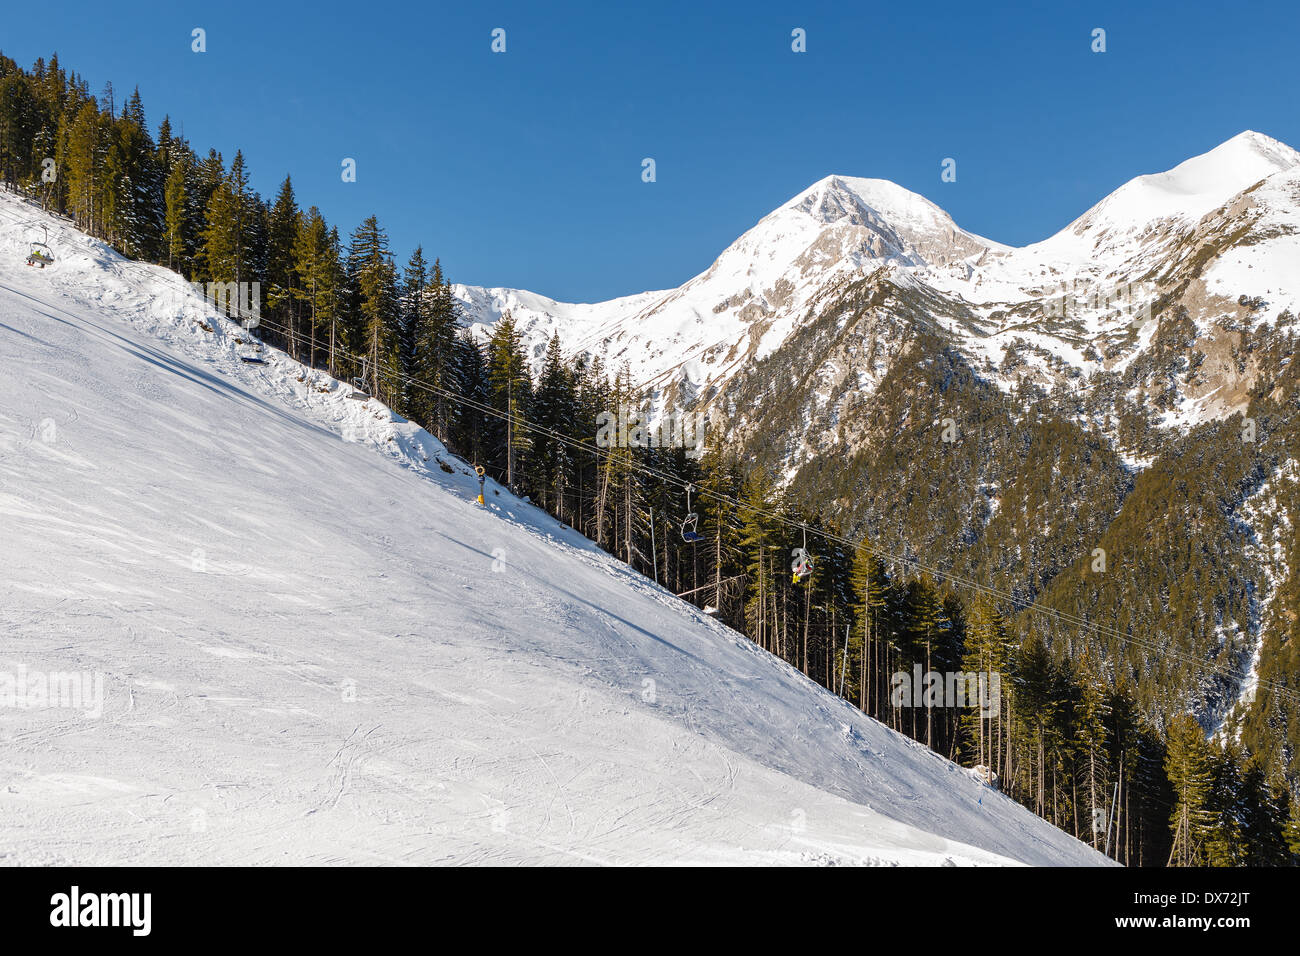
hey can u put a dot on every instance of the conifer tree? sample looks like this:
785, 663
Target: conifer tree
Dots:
511, 387
316, 266
720, 483
177, 216
763, 566
83, 161
1291, 832
468, 424
1191, 774
414, 310
282, 292
1037, 708
227, 245
988, 654
372, 281
437, 346
867, 584
1090, 737
553, 409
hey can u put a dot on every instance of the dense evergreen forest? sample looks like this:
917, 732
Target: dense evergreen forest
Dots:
1075, 745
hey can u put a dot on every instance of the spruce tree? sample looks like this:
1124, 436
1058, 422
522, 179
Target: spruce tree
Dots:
372, 283
867, 584
511, 388
282, 293
177, 217
437, 344
416, 400
1191, 774
554, 407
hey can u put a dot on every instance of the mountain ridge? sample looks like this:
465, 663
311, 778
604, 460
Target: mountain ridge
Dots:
684, 344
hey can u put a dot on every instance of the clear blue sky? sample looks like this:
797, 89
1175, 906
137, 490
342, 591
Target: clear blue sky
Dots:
524, 169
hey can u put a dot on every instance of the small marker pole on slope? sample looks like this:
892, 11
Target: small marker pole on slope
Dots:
844, 664
1114, 804
478, 469
654, 551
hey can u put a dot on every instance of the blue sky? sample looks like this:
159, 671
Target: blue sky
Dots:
524, 168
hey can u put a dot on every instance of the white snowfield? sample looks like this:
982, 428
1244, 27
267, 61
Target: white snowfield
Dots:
302, 642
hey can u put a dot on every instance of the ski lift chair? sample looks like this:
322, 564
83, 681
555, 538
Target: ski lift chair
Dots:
690, 532
801, 564
38, 254
254, 356
358, 383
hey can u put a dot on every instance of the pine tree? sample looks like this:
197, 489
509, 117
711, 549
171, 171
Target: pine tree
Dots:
467, 422
1191, 774
282, 293
758, 546
925, 621
1090, 736
227, 238
554, 407
133, 185
177, 217
867, 584
1264, 818
316, 267
83, 162
988, 654
1036, 709
437, 346
1225, 841
372, 283
511, 389
1291, 832
19, 122
720, 483
417, 401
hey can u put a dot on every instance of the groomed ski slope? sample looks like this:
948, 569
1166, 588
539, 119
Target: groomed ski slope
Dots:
315, 648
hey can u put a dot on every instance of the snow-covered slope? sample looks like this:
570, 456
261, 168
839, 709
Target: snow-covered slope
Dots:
1191, 189
1217, 227
315, 648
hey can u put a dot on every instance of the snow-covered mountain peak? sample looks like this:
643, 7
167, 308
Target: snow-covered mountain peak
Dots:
837, 197
1191, 189
914, 227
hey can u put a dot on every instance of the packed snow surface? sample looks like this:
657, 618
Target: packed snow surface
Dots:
314, 647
